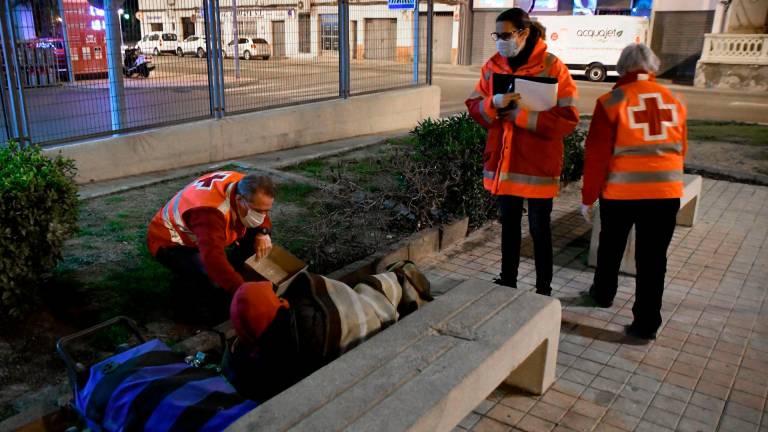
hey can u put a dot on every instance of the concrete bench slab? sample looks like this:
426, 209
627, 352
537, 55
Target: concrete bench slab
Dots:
686, 216
430, 370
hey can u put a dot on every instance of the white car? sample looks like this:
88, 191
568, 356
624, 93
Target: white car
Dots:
249, 48
158, 42
192, 45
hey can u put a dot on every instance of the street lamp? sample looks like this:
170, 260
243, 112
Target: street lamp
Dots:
120, 20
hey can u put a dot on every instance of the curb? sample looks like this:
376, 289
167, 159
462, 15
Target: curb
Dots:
727, 174
270, 160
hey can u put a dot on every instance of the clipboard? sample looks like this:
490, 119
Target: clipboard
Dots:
539, 93
505, 83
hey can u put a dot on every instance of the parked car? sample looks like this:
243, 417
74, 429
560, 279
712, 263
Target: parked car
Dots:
249, 48
158, 43
192, 45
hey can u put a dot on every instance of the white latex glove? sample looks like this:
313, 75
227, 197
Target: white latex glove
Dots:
586, 213
503, 100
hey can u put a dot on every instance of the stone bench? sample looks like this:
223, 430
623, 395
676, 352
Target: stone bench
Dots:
686, 216
430, 370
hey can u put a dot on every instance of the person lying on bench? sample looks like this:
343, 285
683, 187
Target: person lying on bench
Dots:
282, 340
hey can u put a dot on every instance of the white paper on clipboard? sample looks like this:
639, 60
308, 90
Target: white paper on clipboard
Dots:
537, 96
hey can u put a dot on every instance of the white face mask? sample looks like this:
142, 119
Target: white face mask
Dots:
252, 219
509, 48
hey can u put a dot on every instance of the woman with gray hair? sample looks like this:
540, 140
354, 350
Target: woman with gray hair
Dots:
634, 164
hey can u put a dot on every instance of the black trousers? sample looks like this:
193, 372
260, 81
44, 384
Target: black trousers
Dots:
654, 221
192, 288
539, 215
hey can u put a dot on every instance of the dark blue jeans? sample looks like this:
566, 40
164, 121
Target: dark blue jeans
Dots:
539, 215
654, 221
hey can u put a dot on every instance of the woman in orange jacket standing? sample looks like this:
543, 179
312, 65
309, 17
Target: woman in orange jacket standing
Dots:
634, 163
524, 152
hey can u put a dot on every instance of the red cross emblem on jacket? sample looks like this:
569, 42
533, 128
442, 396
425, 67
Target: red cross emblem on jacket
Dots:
653, 116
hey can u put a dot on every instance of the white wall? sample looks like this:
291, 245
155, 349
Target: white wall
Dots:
747, 16
236, 136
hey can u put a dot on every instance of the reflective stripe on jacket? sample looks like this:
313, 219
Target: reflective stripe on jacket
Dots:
213, 190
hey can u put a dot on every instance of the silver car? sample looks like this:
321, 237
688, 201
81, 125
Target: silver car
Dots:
249, 48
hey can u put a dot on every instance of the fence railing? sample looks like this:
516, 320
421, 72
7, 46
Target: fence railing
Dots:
735, 49
106, 71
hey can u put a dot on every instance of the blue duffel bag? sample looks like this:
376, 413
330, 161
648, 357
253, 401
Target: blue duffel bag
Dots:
149, 387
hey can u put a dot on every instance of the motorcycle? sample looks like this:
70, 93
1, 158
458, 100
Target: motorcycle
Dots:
135, 63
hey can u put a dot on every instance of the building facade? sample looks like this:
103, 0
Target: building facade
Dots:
735, 53
304, 28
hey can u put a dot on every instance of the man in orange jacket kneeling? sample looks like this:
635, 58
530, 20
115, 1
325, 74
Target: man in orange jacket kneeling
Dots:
190, 234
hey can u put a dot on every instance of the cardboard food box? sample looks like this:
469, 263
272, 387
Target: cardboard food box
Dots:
279, 267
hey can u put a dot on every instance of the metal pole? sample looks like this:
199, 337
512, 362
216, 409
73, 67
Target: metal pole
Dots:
430, 17
115, 64
209, 59
10, 72
19, 127
222, 100
416, 37
236, 38
465, 33
65, 35
6, 118
214, 58
343, 35
120, 20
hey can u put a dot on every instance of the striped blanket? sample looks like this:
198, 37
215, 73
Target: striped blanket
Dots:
326, 318
151, 388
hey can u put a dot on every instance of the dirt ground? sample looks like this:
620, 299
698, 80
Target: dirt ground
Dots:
107, 270
726, 156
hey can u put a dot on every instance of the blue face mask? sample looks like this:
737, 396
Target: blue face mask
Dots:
509, 48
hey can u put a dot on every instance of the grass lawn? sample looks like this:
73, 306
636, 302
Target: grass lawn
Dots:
732, 132
370, 170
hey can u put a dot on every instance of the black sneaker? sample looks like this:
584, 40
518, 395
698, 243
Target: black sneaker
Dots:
544, 291
632, 331
503, 282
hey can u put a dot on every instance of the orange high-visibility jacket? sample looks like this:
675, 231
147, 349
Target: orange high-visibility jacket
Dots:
212, 190
524, 155
646, 155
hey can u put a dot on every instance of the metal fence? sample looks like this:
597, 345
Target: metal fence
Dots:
204, 58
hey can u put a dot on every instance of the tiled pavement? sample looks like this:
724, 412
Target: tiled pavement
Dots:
708, 369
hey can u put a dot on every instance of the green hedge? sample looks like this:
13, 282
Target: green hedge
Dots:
445, 179
443, 174
38, 212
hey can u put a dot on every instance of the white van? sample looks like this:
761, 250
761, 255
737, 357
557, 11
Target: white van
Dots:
159, 42
590, 45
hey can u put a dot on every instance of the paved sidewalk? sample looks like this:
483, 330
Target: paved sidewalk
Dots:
708, 370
